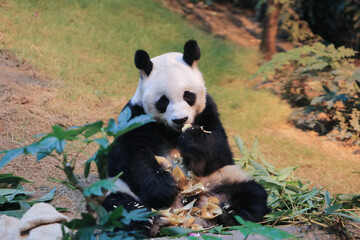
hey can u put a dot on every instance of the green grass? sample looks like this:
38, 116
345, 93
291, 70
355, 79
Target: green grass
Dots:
87, 46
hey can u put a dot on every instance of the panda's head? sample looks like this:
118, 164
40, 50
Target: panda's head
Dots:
171, 87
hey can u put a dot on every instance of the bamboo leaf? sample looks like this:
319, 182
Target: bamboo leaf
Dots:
47, 197
98, 187
10, 155
332, 209
174, 231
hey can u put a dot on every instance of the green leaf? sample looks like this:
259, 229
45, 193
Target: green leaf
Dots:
192, 238
115, 217
327, 198
60, 146
349, 197
42, 155
140, 214
352, 218
241, 146
97, 188
206, 237
112, 128
62, 134
308, 196
85, 234
268, 232
9, 178
87, 169
286, 172
92, 129
332, 209
103, 142
125, 124
9, 191
124, 116
326, 89
32, 149
88, 164
47, 197
46, 146
174, 231
10, 155
217, 229
258, 167
255, 149
85, 222
103, 215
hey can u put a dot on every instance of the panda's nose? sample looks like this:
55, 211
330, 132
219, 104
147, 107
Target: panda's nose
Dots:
180, 121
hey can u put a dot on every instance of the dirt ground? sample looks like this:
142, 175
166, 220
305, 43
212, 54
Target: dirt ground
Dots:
27, 104
27, 108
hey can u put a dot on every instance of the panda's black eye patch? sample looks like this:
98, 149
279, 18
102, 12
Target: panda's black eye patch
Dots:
162, 104
189, 97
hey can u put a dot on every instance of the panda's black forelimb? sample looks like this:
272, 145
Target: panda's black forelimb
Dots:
204, 146
134, 155
246, 199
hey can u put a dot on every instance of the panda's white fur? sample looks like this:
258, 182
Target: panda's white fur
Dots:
226, 174
171, 77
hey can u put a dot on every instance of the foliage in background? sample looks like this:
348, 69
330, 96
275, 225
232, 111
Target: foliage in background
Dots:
294, 28
325, 83
97, 222
342, 18
14, 199
294, 202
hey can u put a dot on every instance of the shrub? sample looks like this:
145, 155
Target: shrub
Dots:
324, 82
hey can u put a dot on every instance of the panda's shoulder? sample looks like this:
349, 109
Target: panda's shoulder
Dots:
210, 114
210, 102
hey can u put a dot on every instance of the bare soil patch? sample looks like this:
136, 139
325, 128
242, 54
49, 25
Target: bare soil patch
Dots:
30, 105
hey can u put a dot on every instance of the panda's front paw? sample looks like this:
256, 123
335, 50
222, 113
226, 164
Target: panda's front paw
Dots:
192, 133
191, 138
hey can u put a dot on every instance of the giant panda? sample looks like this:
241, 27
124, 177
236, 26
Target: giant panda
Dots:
172, 89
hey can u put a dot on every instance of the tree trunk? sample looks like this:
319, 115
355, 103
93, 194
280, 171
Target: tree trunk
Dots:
268, 41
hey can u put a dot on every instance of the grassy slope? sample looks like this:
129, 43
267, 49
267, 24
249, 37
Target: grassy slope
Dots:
87, 48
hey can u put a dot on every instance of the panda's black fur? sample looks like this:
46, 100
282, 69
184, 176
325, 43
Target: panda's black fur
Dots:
203, 153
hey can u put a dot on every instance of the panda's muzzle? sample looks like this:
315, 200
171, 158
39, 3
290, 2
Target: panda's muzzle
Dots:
180, 121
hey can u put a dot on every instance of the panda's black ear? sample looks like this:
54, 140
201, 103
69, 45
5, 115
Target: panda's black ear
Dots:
191, 52
143, 62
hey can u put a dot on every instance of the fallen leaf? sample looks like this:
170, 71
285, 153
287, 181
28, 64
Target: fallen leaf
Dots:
188, 222
210, 211
187, 208
213, 200
193, 190
196, 227
179, 178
